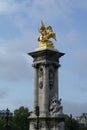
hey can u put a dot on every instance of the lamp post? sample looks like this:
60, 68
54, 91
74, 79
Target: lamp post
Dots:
7, 116
71, 125
37, 114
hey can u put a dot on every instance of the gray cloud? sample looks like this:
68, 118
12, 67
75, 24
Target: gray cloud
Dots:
3, 92
41, 9
13, 5
7, 6
81, 63
14, 65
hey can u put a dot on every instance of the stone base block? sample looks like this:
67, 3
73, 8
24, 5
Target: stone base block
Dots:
47, 123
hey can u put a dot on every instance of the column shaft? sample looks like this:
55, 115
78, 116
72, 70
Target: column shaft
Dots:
46, 89
35, 87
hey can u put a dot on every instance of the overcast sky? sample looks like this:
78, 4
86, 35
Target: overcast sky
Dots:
19, 23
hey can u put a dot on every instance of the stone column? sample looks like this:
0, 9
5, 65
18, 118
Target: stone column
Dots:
35, 85
56, 82
46, 89
44, 125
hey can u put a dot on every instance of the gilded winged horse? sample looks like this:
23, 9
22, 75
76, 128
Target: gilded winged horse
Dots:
46, 33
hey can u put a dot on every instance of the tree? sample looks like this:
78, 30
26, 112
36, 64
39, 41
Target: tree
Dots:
2, 124
20, 119
71, 124
83, 128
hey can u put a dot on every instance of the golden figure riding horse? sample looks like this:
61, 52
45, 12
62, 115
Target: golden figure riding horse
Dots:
46, 33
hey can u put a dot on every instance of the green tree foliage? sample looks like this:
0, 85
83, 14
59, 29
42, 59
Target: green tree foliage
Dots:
20, 119
83, 128
71, 124
2, 124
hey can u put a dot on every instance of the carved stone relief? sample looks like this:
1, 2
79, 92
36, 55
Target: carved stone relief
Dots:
51, 78
55, 107
41, 78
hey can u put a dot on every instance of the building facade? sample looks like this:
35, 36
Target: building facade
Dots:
82, 120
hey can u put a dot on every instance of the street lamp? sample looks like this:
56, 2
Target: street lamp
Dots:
7, 116
71, 125
37, 114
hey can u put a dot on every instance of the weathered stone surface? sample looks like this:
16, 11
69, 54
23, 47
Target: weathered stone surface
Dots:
46, 64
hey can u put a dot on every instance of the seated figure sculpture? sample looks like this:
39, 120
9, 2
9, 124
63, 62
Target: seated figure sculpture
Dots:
55, 107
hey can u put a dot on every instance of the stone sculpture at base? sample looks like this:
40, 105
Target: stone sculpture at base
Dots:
55, 107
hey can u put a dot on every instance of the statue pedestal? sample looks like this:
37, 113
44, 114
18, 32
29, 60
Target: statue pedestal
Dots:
46, 90
47, 123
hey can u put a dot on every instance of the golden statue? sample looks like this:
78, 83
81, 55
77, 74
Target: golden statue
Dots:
46, 34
